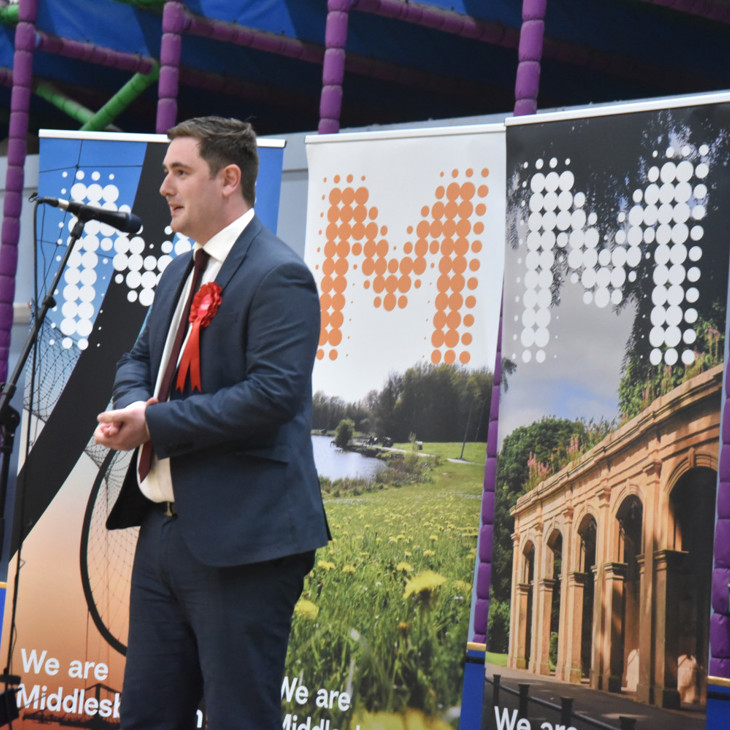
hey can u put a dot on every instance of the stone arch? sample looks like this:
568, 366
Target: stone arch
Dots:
686, 573
618, 502
528, 554
694, 460
628, 557
525, 597
629, 522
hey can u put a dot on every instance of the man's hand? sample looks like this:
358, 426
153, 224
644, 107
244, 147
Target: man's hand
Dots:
124, 429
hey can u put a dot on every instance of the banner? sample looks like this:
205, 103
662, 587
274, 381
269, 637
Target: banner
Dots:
405, 236
71, 622
616, 275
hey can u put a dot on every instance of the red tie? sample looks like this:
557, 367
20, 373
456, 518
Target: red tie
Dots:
201, 261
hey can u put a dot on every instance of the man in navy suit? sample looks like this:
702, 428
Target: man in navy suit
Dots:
223, 483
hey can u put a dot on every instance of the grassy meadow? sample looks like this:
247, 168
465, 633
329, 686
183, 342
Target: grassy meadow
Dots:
473, 451
385, 612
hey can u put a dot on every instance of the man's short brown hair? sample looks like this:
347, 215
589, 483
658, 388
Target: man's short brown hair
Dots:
222, 142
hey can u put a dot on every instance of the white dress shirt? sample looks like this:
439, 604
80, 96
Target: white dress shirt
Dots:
158, 484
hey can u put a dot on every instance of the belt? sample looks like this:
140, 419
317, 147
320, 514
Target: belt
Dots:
167, 508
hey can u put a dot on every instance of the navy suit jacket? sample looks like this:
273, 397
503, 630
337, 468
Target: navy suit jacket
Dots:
246, 488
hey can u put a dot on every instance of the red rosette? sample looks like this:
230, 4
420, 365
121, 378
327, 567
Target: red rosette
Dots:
203, 309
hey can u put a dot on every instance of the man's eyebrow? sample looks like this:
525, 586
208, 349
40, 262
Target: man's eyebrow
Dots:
174, 165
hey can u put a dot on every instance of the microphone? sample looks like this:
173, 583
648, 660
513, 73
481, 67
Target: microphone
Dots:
126, 222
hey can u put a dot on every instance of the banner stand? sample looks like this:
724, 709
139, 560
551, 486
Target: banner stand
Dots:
472, 698
718, 703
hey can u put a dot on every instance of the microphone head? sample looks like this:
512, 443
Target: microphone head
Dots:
133, 224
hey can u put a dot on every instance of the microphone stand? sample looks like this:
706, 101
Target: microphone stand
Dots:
9, 421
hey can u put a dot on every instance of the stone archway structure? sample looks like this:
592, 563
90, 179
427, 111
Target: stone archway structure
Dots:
633, 520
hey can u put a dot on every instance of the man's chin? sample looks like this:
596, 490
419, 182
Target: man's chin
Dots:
176, 226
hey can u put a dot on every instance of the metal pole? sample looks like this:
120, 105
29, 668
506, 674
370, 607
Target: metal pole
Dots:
523, 706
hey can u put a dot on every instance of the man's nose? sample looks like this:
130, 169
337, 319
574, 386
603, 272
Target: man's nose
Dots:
165, 187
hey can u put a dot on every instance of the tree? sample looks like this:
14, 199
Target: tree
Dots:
440, 403
327, 411
344, 432
385, 405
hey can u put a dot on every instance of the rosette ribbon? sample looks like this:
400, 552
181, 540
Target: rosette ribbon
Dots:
203, 309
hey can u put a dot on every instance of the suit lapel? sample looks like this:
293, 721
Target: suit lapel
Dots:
238, 253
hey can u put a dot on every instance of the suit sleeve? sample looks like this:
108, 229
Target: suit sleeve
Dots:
280, 341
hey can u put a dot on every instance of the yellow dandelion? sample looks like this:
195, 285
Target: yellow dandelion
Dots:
403, 627
424, 583
306, 609
462, 586
433, 538
404, 566
348, 569
409, 720
429, 553
325, 565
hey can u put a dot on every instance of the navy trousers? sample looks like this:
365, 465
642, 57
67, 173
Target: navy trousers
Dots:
197, 631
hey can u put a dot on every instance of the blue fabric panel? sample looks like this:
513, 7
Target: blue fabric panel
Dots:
106, 23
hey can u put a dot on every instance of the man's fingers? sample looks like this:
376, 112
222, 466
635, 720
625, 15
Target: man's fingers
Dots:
110, 417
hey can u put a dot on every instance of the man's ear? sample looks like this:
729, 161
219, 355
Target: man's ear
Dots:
231, 177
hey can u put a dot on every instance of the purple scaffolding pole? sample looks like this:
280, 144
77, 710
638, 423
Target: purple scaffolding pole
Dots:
174, 23
19, 109
447, 21
720, 619
90, 53
528, 79
333, 67
527, 82
486, 529
27, 39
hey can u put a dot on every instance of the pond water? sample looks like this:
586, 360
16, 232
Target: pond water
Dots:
337, 464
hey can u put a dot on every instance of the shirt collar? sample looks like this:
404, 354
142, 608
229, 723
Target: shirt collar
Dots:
219, 246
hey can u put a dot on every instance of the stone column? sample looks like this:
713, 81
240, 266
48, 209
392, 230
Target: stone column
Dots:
562, 668
572, 635
537, 596
521, 625
669, 579
652, 508
599, 652
542, 635
615, 574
